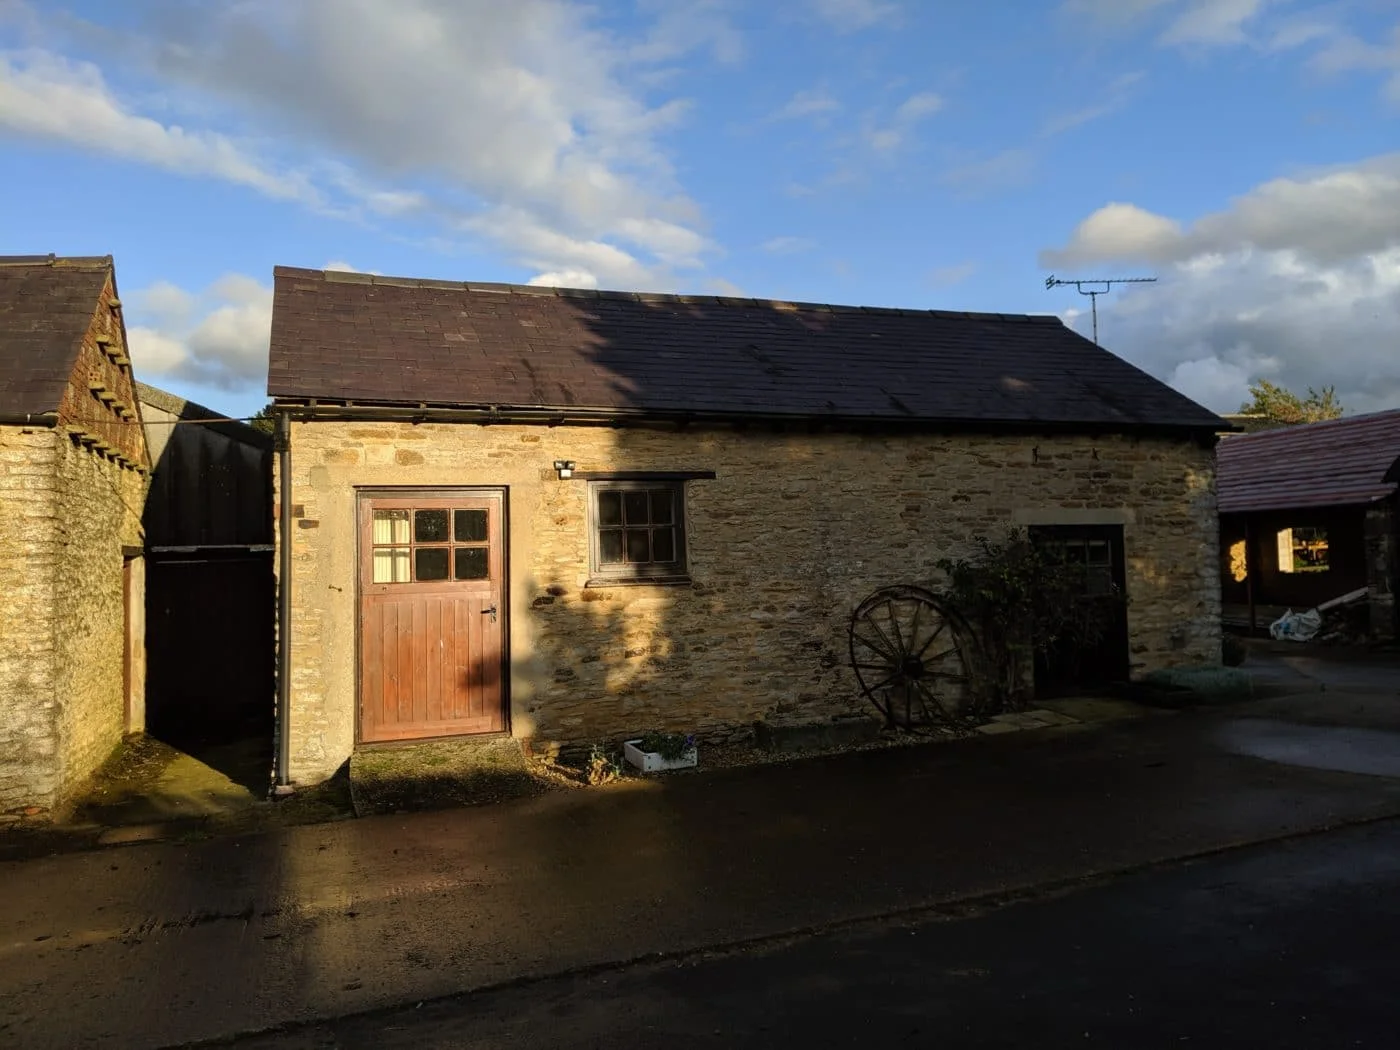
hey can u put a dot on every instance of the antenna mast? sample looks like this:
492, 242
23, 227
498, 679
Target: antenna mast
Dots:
1093, 293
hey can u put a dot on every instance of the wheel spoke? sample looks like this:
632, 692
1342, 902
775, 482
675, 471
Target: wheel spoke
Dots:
914, 629
873, 667
943, 655
895, 652
875, 648
942, 623
884, 682
894, 628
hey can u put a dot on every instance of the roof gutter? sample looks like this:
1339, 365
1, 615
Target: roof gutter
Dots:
564, 416
29, 419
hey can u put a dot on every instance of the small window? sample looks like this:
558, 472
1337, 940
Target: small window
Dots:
638, 530
429, 545
1302, 549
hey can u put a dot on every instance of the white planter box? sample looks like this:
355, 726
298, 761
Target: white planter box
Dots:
651, 762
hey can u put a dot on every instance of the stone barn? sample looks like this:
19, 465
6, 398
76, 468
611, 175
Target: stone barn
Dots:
577, 515
73, 469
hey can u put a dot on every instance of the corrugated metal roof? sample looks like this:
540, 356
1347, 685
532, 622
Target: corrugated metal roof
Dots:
356, 337
1340, 462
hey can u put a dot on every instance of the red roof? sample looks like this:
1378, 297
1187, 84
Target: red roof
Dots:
1340, 462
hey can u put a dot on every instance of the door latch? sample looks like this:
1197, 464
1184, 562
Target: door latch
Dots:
491, 612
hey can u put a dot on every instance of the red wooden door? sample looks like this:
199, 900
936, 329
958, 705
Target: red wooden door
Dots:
432, 615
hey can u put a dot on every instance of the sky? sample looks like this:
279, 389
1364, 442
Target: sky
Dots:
931, 154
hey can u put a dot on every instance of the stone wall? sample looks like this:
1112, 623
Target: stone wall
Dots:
794, 531
30, 773
68, 513
1383, 567
99, 506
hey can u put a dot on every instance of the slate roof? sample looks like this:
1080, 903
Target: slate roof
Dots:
357, 338
46, 305
1337, 463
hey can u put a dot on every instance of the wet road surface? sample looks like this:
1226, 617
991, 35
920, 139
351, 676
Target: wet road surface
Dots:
1290, 945
161, 944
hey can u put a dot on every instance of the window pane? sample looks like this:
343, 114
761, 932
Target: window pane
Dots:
469, 526
430, 526
661, 507
391, 563
610, 508
639, 545
390, 526
430, 563
663, 544
1099, 552
634, 508
610, 546
472, 563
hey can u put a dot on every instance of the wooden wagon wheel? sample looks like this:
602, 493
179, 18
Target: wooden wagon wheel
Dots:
912, 654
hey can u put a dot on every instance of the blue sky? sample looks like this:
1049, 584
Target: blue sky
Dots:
881, 152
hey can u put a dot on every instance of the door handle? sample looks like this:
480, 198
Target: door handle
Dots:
491, 612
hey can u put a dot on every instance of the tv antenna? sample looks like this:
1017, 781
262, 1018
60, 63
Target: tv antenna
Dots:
1093, 293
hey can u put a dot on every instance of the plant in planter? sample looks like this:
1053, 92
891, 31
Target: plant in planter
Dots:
655, 751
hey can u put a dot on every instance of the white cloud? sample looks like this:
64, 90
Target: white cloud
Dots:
851, 15
1297, 281
918, 106
888, 135
45, 96
1326, 216
565, 279
1115, 98
788, 245
1213, 23
471, 115
217, 337
945, 276
810, 103
1005, 170
1113, 12
1348, 53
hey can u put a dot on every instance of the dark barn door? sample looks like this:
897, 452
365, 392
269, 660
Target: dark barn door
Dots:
432, 615
1100, 549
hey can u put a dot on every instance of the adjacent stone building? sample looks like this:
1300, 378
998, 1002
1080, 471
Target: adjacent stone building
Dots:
576, 515
1309, 514
73, 469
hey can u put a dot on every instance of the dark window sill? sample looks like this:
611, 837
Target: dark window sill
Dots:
636, 581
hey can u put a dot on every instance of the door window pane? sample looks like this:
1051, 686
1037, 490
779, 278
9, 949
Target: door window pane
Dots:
391, 563
430, 526
391, 526
469, 526
430, 563
472, 563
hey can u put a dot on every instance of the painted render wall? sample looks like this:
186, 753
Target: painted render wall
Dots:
795, 530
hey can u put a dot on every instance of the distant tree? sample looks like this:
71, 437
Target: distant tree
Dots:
264, 420
1283, 406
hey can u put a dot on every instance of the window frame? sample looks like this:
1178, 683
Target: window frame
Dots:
672, 572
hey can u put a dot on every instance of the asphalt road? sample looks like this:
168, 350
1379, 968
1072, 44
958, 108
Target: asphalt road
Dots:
1289, 945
